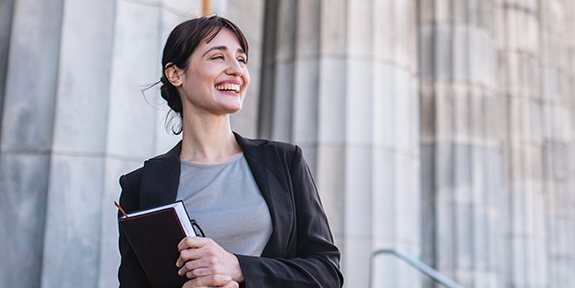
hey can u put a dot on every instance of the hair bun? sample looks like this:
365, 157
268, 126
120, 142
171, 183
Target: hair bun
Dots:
171, 95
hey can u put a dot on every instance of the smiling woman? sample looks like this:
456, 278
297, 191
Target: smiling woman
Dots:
187, 38
215, 80
255, 199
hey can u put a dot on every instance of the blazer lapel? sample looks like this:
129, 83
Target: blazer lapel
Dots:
160, 179
271, 176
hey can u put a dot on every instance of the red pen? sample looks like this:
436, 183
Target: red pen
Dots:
121, 209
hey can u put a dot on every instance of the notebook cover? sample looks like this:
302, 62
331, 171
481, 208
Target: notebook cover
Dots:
154, 238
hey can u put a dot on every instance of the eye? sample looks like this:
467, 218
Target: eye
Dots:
242, 59
217, 57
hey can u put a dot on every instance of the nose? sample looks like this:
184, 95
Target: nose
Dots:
234, 68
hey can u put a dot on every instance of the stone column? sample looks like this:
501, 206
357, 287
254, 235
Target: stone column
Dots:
340, 79
461, 156
26, 137
519, 47
76, 174
557, 73
382, 141
280, 36
289, 80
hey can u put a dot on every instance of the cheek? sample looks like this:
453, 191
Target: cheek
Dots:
201, 75
246, 78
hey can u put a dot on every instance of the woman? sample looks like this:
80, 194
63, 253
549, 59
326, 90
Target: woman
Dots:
255, 199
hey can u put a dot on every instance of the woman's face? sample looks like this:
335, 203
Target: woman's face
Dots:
217, 77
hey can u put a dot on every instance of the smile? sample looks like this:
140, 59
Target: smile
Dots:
229, 87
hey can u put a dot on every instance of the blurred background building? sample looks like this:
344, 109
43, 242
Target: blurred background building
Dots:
442, 129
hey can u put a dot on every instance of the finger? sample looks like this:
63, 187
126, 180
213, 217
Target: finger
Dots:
204, 248
209, 281
195, 273
201, 266
231, 284
189, 267
191, 242
187, 255
189, 249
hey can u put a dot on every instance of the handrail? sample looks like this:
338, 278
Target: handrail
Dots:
422, 267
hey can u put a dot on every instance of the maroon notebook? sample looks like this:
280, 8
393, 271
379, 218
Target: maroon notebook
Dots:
154, 235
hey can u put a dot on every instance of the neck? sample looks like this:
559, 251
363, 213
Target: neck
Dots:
209, 142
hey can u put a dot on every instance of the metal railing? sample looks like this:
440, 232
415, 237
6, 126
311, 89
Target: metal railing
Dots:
422, 267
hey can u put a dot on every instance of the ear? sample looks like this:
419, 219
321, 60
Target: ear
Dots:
173, 73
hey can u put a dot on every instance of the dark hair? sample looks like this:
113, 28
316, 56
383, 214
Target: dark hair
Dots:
182, 42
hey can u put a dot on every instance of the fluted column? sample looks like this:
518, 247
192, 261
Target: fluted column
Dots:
276, 107
461, 156
520, 89
557, 93
289, 79
339, 79
392, 112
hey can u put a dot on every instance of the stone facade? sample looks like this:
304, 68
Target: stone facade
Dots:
443, 129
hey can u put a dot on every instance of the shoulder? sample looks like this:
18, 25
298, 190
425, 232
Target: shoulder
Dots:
264, 146
134, 177
131, 177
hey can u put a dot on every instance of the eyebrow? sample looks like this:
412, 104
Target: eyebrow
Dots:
224, 48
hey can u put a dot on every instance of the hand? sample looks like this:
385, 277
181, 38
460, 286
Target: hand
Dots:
203, 259
211, 281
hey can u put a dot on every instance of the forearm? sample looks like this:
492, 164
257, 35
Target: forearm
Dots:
314, 271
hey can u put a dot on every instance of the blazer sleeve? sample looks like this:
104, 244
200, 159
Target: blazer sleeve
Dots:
315, 262
130, 272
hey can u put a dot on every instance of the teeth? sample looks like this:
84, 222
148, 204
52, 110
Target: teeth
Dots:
229, 87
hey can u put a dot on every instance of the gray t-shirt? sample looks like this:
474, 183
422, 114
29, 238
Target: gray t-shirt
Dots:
227, 204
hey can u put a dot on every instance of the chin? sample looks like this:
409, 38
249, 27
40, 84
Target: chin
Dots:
233, 109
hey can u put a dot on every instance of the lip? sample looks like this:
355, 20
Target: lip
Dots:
238, 82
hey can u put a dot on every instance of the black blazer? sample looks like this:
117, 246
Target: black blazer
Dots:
300, 252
